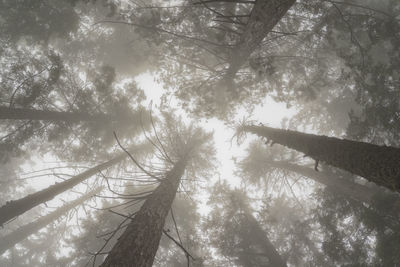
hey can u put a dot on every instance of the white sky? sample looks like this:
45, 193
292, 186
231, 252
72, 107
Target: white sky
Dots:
270, 113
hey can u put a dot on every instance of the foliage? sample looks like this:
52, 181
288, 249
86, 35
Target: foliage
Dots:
336, 63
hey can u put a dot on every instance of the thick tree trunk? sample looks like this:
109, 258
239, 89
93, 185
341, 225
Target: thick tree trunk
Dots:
263, 18
378, 164
352, 190
138, 245
17, 207
10, 240
7, 113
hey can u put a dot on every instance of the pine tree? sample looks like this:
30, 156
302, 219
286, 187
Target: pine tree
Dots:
17, 207
263, 18
236, 232
342, 186
183, 146
378, 164
259, 237
139, 243
9, 240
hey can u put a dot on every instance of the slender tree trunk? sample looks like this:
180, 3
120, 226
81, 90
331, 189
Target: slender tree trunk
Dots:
357, 192
253, 235
354, 191
263, 18
249, 239
138, 245
46, 115
270, 250
10, 240
378, 164
17, 207
260, 237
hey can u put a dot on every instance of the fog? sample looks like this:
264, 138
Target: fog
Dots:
199, 133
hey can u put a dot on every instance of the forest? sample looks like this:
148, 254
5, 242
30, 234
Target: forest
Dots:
202, 133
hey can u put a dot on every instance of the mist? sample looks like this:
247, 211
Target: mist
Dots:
199, 133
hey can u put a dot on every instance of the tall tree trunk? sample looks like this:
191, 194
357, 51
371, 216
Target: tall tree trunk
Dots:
138, 245
10, 240
17, 207
357, 192
263, 18
46, 115
378, 164
261, 238
354, 191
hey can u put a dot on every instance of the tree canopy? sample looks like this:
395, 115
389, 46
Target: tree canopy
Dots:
199, 133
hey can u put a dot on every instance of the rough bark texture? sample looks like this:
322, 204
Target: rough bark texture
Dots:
7, 113
17, 207
138, 245
378, 164
357, 192
263, 18
10, 240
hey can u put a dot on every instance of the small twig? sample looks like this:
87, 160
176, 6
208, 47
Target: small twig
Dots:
363, 7
353, 39
179, 245
178, 35
158, 139
133, 159
176, 227
108, 240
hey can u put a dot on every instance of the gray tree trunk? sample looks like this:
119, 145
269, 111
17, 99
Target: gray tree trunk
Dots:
263, 18
262, 239
358, 192
138, 245
10, 240
17, 207
378, 164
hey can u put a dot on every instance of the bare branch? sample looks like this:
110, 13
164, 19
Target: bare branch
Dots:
133, 159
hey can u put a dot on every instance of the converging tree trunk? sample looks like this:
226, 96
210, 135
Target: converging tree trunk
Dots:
10, 240
17, 207
263, 18
7, 113
351, 190
378, 164
260, 238
138, 245
357, 192
249, 237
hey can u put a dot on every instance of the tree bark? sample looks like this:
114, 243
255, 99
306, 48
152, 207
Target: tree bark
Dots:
10, 240
138, 245
263, 18
378, 164
15, 208
7, 113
